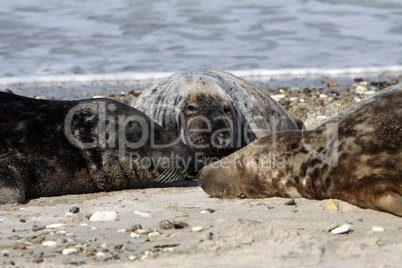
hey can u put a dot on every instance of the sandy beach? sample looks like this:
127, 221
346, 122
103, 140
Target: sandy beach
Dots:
201, 231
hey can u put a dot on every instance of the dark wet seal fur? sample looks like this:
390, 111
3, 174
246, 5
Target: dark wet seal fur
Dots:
236, 111
356, 156
41, 156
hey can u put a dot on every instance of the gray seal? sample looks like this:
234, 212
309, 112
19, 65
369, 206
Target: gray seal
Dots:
213, 112
50, 148
355, 156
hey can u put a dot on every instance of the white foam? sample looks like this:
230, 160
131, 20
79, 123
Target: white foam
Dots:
256, 74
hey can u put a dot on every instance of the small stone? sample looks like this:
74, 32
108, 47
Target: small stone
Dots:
19, 246
197, 228
61, 232
377, 229
343, 229
104, 216
49, 243
121, 230
278, 96
22, 220
134, 235
55, 225
323, 96
179, 224
291, 202
68, 214
75, 210
331, 205
166, 225
142, 214
143, 231
361, 89
331, 84
154, 234
210, 236
270, 207
38, 228
133, 257
100, 254
119, 246
37, 260
134, 228
2, 220
69, 251
170, 206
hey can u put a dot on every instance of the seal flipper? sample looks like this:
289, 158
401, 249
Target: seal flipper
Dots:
391, 202
12, 189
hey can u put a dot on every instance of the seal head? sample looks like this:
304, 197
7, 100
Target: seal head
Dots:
52, 148
213, 112
355, 156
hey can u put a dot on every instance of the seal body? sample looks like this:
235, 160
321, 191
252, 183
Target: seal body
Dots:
52, 148
356, 156
213, 112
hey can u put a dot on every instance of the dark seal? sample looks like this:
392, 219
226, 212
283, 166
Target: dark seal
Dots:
356, 156
213, 112
50, 148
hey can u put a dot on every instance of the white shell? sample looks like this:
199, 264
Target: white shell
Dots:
377, 229
341, 229
56, 225
69, 251
197, 228
142, 214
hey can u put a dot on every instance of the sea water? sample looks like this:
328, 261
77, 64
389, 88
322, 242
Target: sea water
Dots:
95, 40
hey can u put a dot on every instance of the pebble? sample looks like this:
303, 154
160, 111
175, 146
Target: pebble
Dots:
55, 225
278, 96
197, 228
104, 216
179, 224
19, 246
166, 225
377, 229
361, 89
134, 235
343, 229
331, 205
323, 96
75, 210
291, 202
143, 231
2, 220
170, 206
61, 232
68, 214
49, 243
142, 214
69, 251
154, 234
133, 257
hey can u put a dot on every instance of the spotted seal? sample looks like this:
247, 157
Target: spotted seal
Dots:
50, 148
356, 156
213, 112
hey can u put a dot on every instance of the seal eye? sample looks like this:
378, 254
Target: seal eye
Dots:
227, 110
239, 164
191, 108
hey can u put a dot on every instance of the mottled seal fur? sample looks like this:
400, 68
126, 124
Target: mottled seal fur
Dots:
356, 156
50, 148
213, 112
